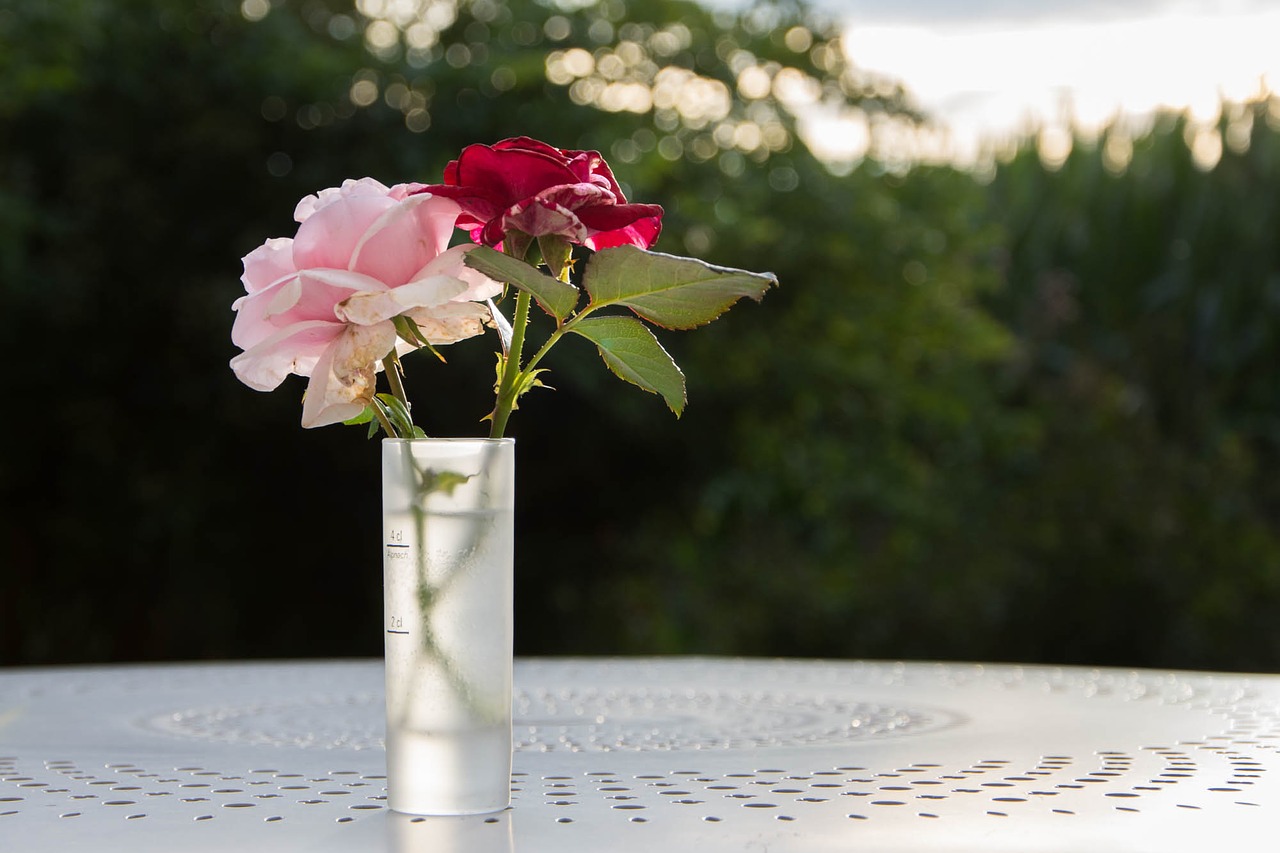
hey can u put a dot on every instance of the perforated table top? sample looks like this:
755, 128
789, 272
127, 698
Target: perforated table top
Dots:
653, 754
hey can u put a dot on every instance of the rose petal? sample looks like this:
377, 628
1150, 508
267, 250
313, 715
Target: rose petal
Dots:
590, 167
453, 263
486, 181
255, 313
526, 143
575, 196
400, 192
642, 234
268, 263
622, 225
611, 217
294, 349
350, 187
329, 236
524, 184
308, 295
404, 238
512, 173
538, 218
320, 304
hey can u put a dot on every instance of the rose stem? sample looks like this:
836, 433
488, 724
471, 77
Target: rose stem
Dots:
393, 379
382, 419
506, 392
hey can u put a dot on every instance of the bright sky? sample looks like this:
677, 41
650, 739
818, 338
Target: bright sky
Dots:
992, 69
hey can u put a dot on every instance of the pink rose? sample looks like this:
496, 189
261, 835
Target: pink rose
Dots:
321, 304
530, 186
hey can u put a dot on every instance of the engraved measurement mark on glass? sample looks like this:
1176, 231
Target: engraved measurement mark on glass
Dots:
397, 550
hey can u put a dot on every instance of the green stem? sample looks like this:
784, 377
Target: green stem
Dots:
503, 410
390, 364
511, 368
555, 336
382, 419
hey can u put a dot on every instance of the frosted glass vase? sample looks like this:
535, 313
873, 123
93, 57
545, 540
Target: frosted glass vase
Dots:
447, 510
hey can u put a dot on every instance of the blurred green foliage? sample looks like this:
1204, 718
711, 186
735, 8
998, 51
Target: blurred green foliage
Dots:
1023, 418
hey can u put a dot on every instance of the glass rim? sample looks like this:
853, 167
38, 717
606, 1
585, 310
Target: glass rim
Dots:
506, 439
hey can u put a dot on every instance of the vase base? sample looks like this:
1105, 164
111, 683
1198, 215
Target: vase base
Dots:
458, 773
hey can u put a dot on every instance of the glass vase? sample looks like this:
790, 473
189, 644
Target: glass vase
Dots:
447, 510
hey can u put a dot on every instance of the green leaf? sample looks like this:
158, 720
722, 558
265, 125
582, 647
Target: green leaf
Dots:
526, 382
442, 481
673, 292
557, 298
365, 417
516, 243
398, 414
557, 253
634, 354
502, 363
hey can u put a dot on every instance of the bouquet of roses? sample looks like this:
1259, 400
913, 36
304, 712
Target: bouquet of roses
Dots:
370, 276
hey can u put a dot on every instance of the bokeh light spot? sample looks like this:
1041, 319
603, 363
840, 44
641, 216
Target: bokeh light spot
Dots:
279, 164
557, 28
417, 120
364, 92
342, 27
798, 39
503, 78
754, 82
274, 108
254, 10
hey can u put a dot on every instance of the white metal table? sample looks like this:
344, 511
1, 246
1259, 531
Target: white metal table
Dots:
653, 754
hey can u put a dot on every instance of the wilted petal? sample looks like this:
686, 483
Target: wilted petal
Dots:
343, 381
452, 322
365, 309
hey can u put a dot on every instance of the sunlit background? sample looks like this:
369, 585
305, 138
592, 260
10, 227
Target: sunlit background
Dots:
631, 67
984, 75
991, 73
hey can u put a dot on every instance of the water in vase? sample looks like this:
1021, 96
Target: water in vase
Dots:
448, 655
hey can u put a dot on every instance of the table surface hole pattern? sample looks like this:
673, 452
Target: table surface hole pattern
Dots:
638, 751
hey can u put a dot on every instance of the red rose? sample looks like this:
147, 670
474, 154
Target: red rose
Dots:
529, 186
